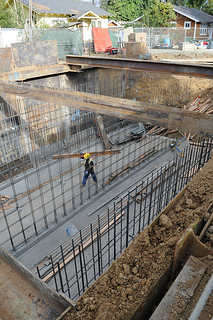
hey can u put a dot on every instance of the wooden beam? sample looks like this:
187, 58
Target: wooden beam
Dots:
30, 72
81, 154
147, 113
103, 133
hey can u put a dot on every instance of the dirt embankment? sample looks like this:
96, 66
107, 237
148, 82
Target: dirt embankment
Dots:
168, 89
199, 55
126, 284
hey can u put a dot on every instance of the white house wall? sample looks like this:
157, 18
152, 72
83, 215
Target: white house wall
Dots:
104, 23
87, 30
51, 20
10, 35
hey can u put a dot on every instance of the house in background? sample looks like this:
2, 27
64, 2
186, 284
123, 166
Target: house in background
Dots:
77, 14
114, 25
199, 25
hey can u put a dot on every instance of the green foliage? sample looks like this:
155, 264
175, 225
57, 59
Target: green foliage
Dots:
60, 24
43, 25
159, 15
124, 10
104, 4
198, 4
5, 16
18, 18
11, 18
208, 7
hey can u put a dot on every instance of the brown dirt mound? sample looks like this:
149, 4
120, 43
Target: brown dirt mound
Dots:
170, 89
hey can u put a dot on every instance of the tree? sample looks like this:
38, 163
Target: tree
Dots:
5, 16
124, 10
208, 7
160, 15
198, 4
12, 17
18, 18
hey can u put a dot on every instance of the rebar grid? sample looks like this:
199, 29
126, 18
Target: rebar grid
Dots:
72, 267
42, 190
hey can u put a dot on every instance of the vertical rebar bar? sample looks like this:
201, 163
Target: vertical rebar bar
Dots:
54, 274
84, 260
93, 251
114, 232
108, 238
150, 200
76, 269
121, 209
81, 266
127, 222
60, 277
98, 251
100, 246
65, 270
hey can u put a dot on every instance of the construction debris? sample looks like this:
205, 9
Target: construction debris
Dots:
195, 106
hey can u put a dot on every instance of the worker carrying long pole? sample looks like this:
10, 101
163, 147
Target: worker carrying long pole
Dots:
89, 169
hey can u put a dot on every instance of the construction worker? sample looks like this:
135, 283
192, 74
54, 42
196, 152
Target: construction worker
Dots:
89, 169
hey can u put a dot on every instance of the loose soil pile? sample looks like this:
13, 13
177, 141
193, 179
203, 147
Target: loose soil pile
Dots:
172, 90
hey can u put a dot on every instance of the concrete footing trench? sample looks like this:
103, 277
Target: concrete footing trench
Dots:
138, 280
136, 245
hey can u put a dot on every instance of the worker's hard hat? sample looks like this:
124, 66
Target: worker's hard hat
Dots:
87, 155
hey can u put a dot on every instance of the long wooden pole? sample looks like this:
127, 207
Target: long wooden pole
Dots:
81, 154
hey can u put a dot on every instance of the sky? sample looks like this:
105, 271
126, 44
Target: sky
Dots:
97, 2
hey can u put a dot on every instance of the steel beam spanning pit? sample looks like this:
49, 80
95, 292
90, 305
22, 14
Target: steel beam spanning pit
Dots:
185, 69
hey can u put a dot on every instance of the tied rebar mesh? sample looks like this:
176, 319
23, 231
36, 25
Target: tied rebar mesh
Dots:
78, 262
41, 191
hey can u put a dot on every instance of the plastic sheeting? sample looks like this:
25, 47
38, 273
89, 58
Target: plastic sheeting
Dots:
68, 41
114, 38
101, 39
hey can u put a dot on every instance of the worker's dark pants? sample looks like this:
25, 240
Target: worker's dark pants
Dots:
86, 175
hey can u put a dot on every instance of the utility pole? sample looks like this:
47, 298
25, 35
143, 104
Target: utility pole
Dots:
30, 20
14, 1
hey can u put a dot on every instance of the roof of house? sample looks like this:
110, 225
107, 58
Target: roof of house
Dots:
194, 14
115, 23
65, 7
